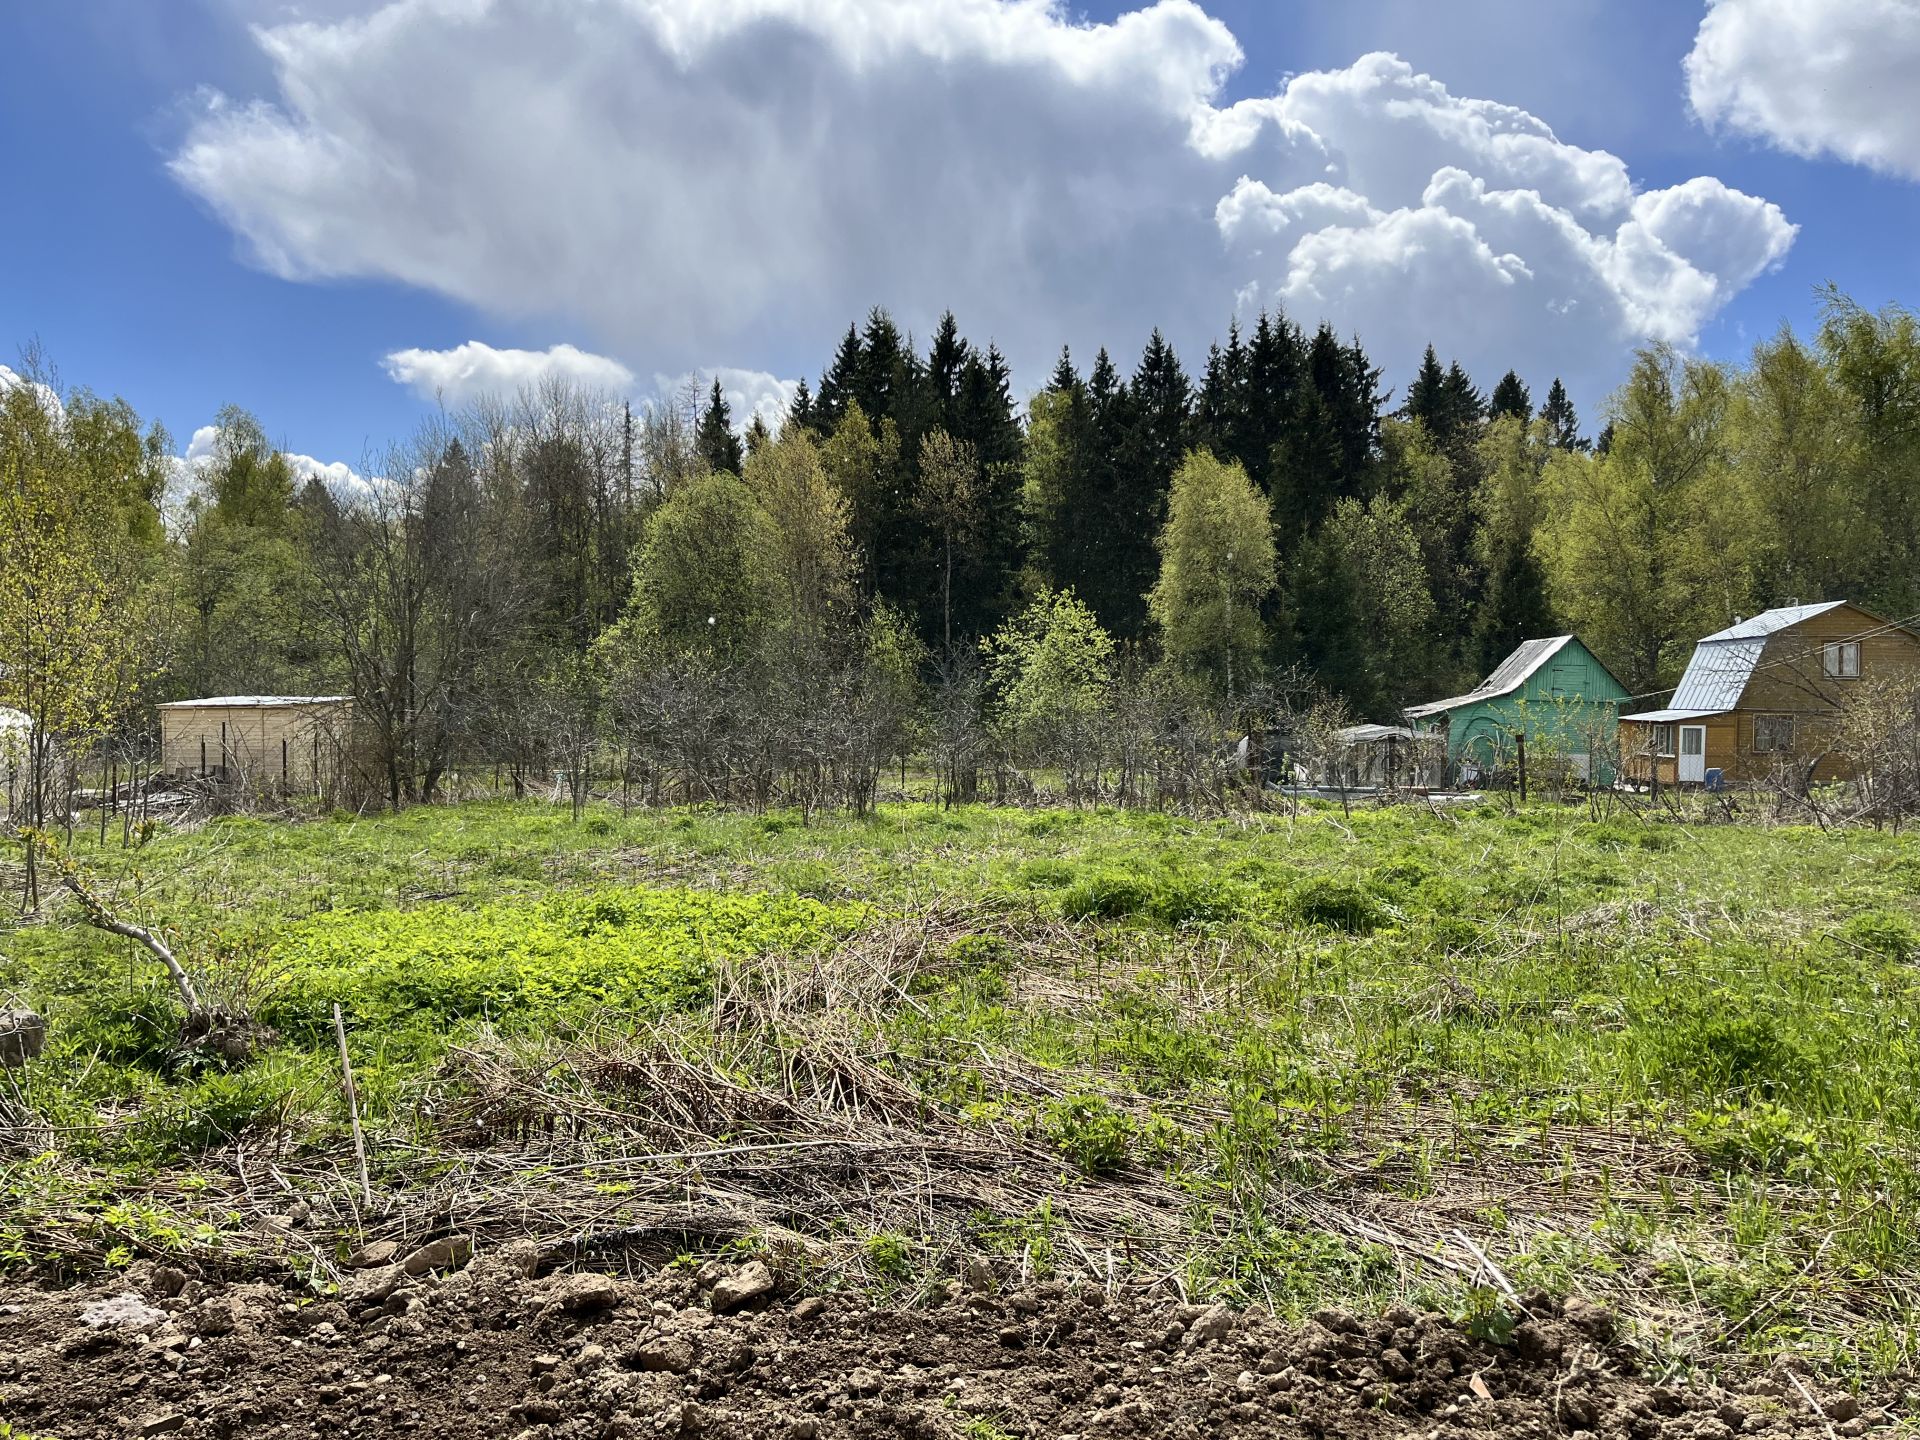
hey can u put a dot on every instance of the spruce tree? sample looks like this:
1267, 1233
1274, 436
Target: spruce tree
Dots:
1461, 408
1563, 424
947, 360
758, 435
1515, 607
1510, 397
985, 420
840, 383
800, 412
880, 380
1426, 395
714, 439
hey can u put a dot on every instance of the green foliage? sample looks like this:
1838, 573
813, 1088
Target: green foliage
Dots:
636, 950
1763, 1137
1485, 1316
1051, 667
1091, 1133
211, 1111
1337, 902
1884, 932
706, 581
1217, 569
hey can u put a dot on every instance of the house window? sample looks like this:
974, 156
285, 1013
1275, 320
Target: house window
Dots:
1693, 740
1840, 659
1772, 732
1663, 741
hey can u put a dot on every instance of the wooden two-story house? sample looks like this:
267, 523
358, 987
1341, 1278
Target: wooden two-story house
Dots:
1758, 699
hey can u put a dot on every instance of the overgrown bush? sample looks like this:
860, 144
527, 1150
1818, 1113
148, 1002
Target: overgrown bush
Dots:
1336, 902
1884, 933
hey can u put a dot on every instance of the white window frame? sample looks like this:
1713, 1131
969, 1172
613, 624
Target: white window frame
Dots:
1773, 749
1693, 732
1840, 659
1663, 740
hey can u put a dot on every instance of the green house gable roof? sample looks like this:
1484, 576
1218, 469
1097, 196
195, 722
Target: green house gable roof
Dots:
1511, 675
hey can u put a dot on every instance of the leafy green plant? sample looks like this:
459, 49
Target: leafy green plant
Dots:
1885, 933
1337, 902
1106, 895
1091, 1133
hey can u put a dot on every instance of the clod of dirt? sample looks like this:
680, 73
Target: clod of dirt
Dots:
660, 1354
374, 1254
371, 1287
751, 1284
1213, 1323
448, 1253
1595, 1321
583, 1294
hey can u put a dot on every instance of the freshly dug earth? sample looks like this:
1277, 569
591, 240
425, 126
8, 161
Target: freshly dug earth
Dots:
489, 1350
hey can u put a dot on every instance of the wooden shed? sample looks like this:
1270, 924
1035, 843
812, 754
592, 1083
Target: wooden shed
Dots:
266, 742
1759, 698
1554, 691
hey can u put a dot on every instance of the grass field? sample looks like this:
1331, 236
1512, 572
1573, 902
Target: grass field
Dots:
1287, 1060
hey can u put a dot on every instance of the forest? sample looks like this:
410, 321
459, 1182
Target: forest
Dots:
919, 559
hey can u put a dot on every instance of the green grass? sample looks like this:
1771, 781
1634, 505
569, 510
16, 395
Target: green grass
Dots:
1672, 1063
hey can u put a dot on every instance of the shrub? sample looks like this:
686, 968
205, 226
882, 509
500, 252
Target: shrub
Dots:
1106, 895
1337, 903
1740, 1050
1090, 1133
1180, 897
1884, 933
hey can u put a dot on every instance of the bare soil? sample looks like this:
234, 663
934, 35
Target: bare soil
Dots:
490, 1348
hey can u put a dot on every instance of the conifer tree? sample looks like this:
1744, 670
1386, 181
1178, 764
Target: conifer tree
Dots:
1563, 423
715, 440
1510, 397
800, 412
840, 383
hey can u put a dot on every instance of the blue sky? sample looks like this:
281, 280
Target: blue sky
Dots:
1051, 187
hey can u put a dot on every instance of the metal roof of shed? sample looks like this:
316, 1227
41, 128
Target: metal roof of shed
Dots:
253, 702
1509, 675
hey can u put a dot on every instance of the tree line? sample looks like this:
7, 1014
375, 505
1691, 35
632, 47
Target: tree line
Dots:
912, 559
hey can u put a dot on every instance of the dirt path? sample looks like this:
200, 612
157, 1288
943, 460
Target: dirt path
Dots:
488, 1351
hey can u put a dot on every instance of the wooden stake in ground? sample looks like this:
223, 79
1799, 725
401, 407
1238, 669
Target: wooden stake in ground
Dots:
353, 1107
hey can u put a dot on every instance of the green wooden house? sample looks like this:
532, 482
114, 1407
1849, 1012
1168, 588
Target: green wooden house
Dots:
1555, 692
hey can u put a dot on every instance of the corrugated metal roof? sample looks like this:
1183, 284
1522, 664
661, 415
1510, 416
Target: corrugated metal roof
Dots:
1373, 734
261, 702
1717, 674
1663, 717
1509, 675
1772, 622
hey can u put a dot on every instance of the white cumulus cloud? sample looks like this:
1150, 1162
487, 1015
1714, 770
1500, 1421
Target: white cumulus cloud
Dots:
747, 392
1813, 77
476, 369
685, 180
